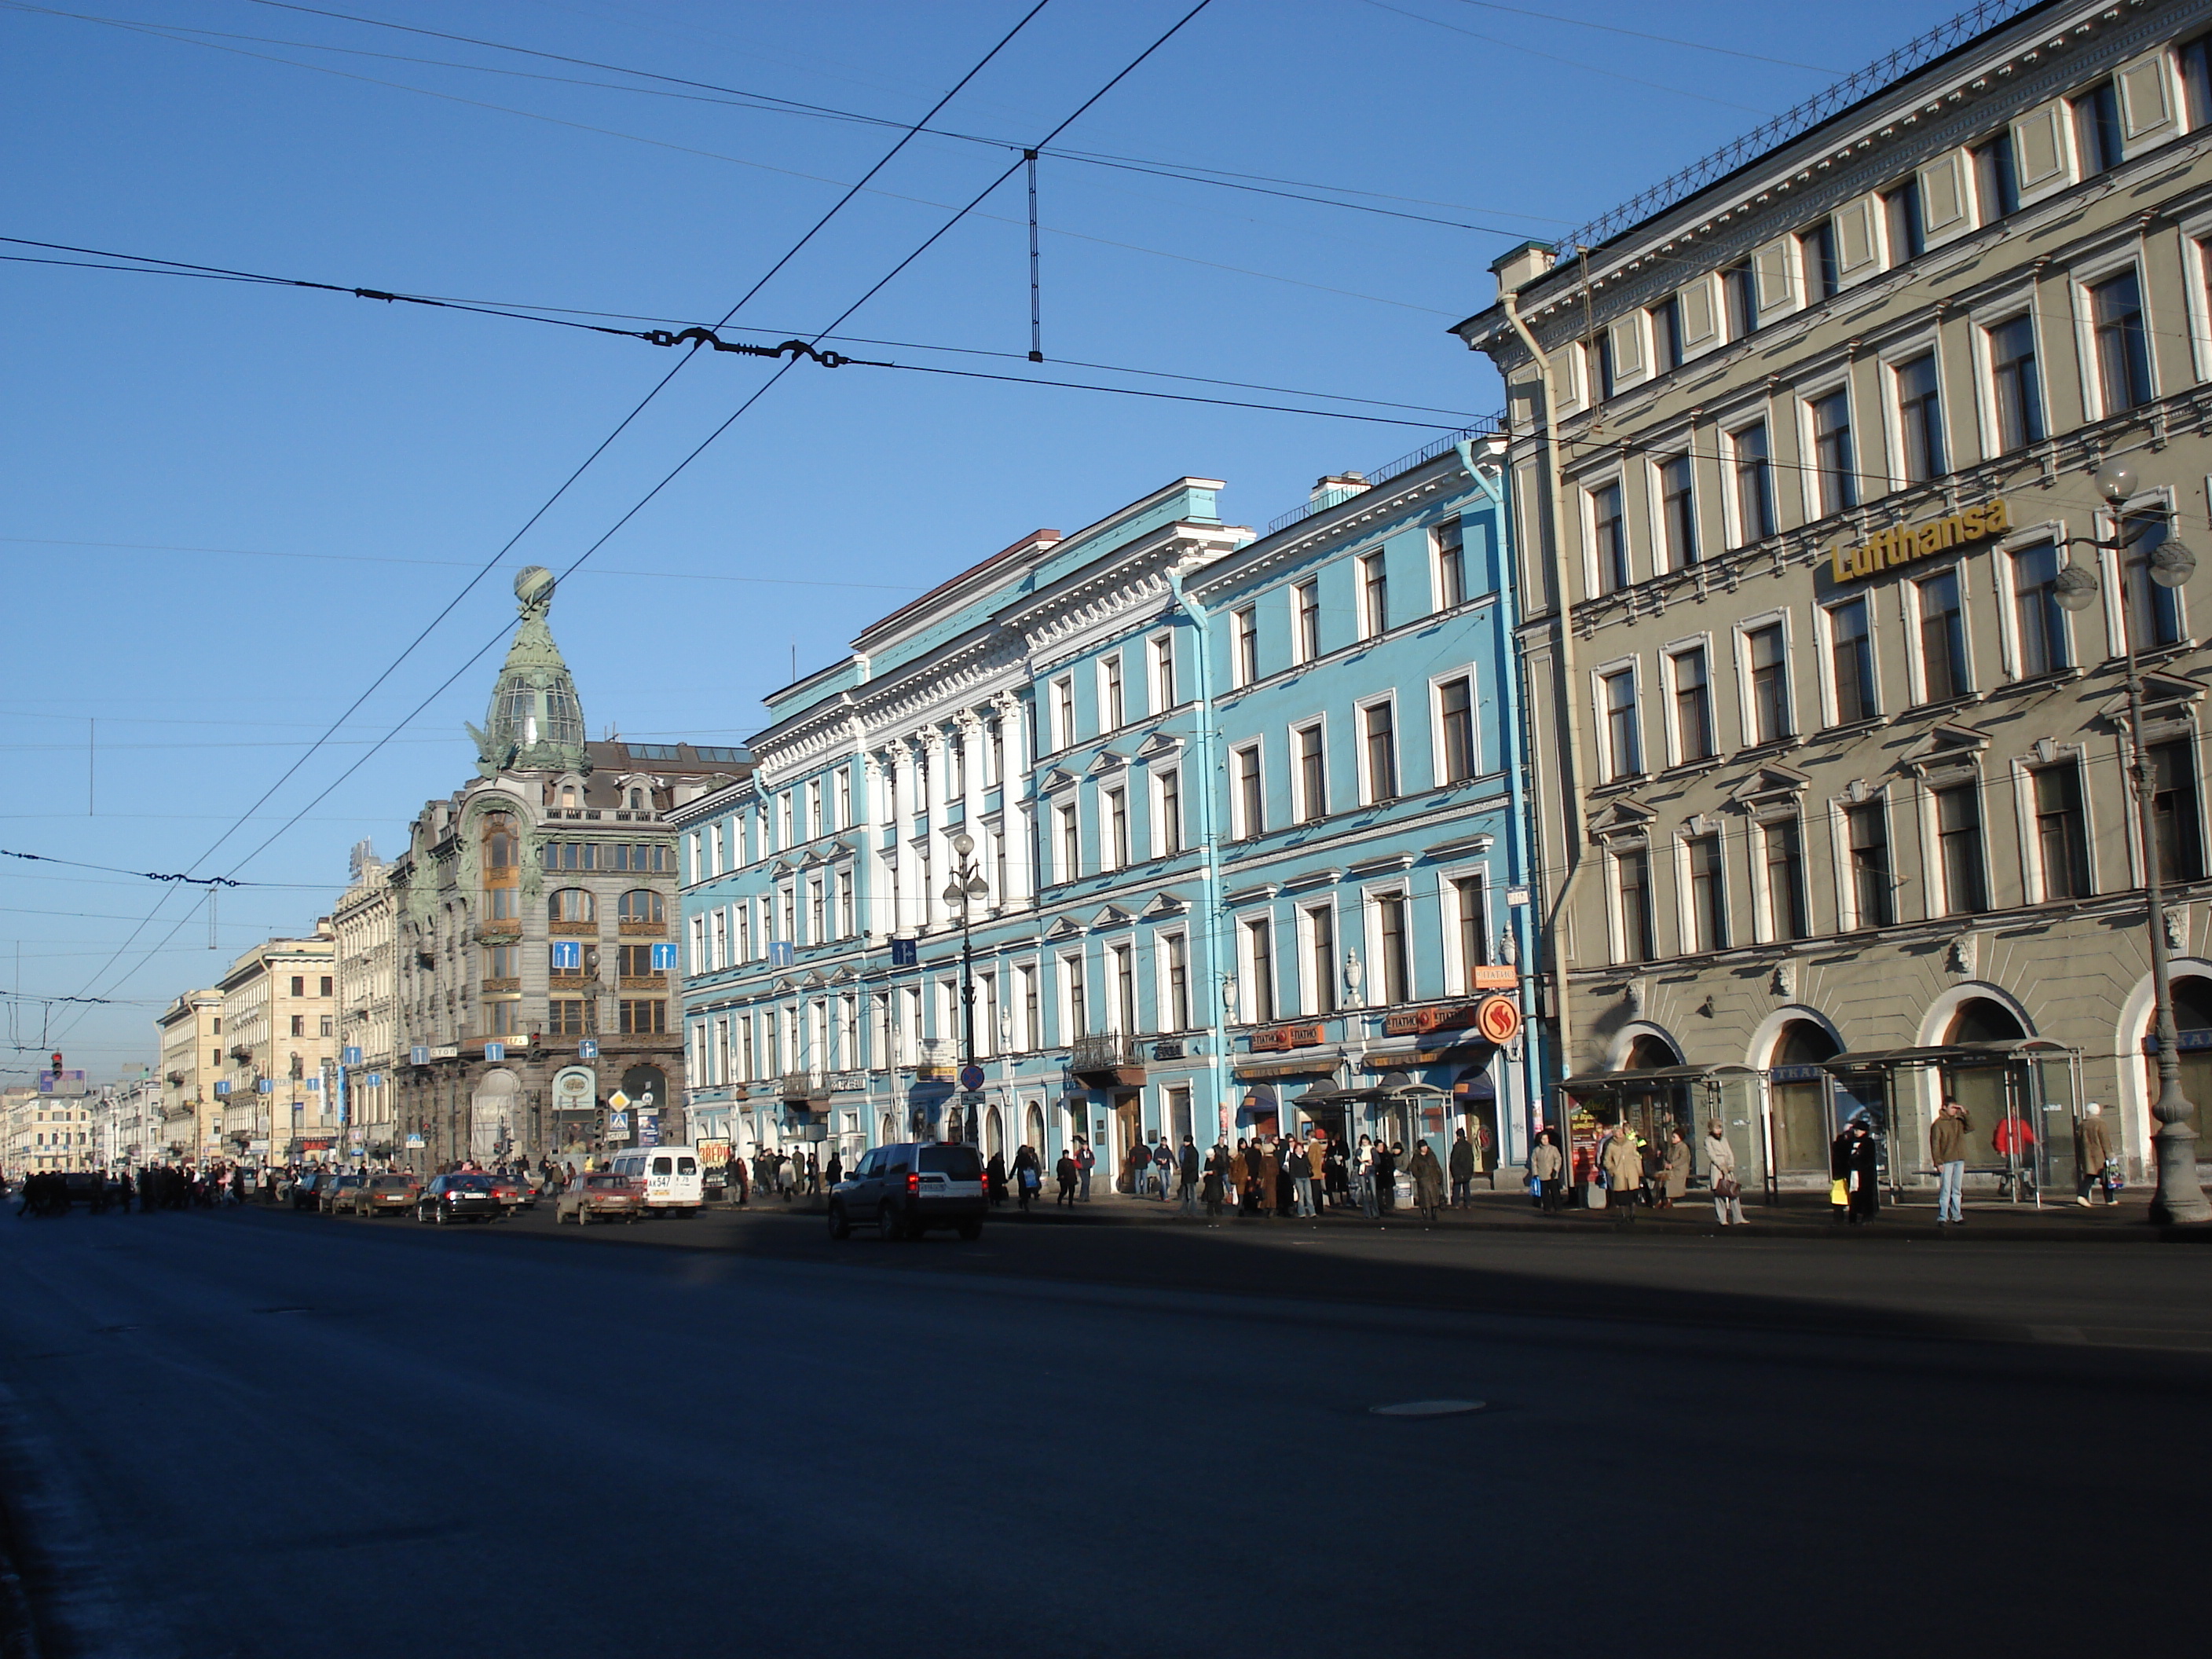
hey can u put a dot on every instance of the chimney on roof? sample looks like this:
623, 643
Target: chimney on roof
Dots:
1522, 265
1336, 487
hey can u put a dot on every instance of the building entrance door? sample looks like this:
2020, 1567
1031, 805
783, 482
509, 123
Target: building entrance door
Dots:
1128, 1129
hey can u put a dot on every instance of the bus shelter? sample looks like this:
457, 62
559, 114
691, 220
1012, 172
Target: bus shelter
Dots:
1657, 1101
2023, 1097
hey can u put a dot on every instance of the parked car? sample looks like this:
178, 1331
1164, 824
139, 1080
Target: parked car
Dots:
602, 1195
305, 1186
908, 1188
456, 1198
668, 1177
334, 1193
385, 1193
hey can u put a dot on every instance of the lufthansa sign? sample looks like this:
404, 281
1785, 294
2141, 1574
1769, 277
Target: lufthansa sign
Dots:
1905, 544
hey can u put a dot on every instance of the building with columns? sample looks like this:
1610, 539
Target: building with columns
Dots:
1170, 828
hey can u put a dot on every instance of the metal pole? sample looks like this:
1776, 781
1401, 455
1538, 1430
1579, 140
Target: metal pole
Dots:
2178, 1196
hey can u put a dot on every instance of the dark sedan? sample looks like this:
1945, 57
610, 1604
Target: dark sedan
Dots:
458, 1197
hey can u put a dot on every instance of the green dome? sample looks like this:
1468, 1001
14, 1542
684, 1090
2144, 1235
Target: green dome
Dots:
536, 722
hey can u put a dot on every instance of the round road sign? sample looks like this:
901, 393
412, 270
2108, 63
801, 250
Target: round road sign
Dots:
1498, 1019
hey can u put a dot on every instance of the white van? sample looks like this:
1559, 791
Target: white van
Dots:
670, 1176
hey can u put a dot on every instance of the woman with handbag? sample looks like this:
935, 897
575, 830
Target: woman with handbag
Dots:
1728, 1191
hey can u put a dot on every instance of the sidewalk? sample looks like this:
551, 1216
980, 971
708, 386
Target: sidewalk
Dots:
1796, 1215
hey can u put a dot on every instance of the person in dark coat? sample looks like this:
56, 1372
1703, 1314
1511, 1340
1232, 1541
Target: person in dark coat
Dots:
995, 1173
1856, 1160
1463, 1170
1386, 1177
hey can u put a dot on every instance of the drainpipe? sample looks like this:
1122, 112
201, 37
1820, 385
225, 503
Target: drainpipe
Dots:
1570, 698
1210, 842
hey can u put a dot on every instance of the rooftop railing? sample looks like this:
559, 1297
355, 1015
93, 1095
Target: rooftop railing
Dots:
1323, 500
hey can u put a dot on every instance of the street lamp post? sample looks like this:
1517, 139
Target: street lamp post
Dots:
967, 886
2179, 1197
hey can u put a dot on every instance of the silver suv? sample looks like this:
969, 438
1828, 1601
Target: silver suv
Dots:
908, 1188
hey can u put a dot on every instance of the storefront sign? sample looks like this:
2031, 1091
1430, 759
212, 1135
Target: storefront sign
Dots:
1279, 1037
1450, 1017
1905, 544
1498, 1019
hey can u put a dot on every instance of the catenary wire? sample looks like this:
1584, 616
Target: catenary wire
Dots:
783, 369
601, 449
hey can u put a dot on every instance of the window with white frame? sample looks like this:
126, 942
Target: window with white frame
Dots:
699, 944
2154, 613
1391, 943
1705, 891
1305, 620
1853, 693
2042, 643
1114, 808
694, 862
1063, 711
1921, 449
1941, 663
1782, 851
1608, 530
1449, 541
1074, 998
1171, 953
2120, 341
1257, 939
1630, 867
1750, 463
1767, 684
1068, 841
1030, 1020
1247, 803
844, 800
1316, 925
1620, 730
1161, 656
1243, 646
1378, 751
1677, 479
2062, 829
2016, 417
1467, 899
1167, 811
720, 957
1835, 458
1458, 758
1114, 714
1374, 594
1309, 772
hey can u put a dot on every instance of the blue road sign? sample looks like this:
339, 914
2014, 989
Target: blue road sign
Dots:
904, 953
222, 1086
780, 953
374, 1080
588, 1049
568, 956
495, 1051
664, 959
352, 1055
419, 1054
971, 1078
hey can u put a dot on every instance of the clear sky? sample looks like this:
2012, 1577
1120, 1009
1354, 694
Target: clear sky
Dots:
226, 508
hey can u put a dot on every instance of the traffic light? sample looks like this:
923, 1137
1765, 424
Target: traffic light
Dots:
58, 1062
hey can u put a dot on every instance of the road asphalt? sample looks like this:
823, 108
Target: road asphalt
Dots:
249, 1433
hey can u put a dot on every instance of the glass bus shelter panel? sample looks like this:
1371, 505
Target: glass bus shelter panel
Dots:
1797, 1101
2055, 1081
1735, 1101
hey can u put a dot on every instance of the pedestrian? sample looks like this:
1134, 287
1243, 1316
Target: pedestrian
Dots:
1463, 1170
994, 1176
1364, 1174
1065, 1171
835, 1172
1136, 1170
1728, 1191
1301, 1178
1240, 1183
1267, 1159
2092, 1154
1674, 1169
1623, 1164
743, 1175
1186, 1171
1385, 1171
1336, 1173
1947, 1150
1086, 1161
1544, 1166
1029, 1176
1163, 1168
1855, 1161
1428, 1180
1217, 1173
2013, 1137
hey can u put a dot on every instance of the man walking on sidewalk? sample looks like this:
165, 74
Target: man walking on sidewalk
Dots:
1086, 1161
2095, 1149
1187, 1176
1463, 1170
1947, 1150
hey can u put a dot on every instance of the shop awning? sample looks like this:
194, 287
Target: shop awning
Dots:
1329, 1097
1319, 1064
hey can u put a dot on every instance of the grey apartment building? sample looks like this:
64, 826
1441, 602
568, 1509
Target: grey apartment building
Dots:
1834, 794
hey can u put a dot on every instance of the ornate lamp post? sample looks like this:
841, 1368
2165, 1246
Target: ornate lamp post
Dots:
966, 887
2179, 1197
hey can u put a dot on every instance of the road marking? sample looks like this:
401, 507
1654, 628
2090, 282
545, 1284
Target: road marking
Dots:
1429, 1408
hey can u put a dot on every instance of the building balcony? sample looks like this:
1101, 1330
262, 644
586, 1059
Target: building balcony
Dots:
506, 927
635, 929
574, 929
803, 1087
641, 982
491, 986
1109, 1058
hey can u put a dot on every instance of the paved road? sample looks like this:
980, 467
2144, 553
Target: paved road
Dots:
248, 1433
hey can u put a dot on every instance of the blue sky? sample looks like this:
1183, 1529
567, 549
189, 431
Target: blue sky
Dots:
226, 507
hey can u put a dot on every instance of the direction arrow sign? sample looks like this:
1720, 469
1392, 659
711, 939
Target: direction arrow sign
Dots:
588, 1049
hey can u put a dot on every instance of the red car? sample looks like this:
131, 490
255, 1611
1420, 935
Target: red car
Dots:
513, 1193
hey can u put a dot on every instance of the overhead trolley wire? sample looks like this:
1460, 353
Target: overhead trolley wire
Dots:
783, 369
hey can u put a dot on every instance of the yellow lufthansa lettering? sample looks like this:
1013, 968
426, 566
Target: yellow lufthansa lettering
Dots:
1902, 544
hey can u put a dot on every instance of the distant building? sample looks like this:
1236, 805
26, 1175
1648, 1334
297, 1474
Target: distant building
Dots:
365, 918
280, 1043
536, 964
191, 1065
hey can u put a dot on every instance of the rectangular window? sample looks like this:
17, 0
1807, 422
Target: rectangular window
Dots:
1244, 640
1451, 565
1117, 826
1313, 774
1609, 538
1259, 964
1920, 419
1456, 728
1739, 289
325, 983
1835, 462
2016, 383
1997, 183
1693, 706
1396, 948
845, 927
298, 1025
1178, 1010
1943, 666
1164, 674
1623, 745
1754, 484
2097, 128
2153, 612
1471, 908
569, 1016
1305, 620
2196, 80
1708, 894
1321, 959
1063, 712
1908, 234
633, 961
1169, 820
1598, 352
1769, 661
1851, 662
502, 1017
1667, 334
1079, 997
2039, 623
1678, 511
1634, 869
2061, 831
1959, 840
1374, 596
1032, 1036
1122, 959
298, 985
645, 1017
1785, 877
1070, 840
1251, 815
1822, 278
1873, 892
2177, 818
1379, 727
1109, 690
502, 962
2123, 346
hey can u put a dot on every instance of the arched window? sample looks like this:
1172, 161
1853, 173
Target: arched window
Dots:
499, 842
572, 904
642, 904
637, 800
1801, 1109
1981, 1089
568, 801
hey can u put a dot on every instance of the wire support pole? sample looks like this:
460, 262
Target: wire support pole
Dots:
1036, 303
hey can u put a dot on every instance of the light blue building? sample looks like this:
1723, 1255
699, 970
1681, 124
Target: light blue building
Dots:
1229, 821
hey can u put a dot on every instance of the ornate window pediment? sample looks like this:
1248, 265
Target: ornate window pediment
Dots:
1112, 916
1058, 779
1107, 760
1160, 743
1165, 904
1769, 789
2167, 700
1622, 823
1949, 754
1065, 928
